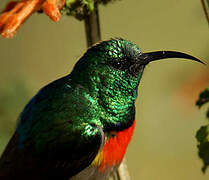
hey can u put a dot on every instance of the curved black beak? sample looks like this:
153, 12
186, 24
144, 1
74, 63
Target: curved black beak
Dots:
145, 58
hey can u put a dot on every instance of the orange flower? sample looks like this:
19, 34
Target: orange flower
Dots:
16, 13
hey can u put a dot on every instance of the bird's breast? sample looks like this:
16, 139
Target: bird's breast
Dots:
114, 149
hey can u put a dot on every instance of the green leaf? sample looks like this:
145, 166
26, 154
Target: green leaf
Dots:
203, 145
204, 98
202, 135
81, 8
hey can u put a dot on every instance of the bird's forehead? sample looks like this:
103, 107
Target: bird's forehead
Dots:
118, 48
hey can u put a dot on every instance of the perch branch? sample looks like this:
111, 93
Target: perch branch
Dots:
92, 27
93, 35
206, 9
122, 172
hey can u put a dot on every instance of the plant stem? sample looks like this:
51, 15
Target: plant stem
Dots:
92, 27
206, 9
122, 171
93, 35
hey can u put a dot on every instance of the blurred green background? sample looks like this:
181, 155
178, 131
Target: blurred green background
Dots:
164, 145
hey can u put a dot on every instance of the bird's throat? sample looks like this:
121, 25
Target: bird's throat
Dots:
114, 149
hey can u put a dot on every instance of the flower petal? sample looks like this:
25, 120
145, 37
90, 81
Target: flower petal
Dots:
50, 8
10, 21
15, 13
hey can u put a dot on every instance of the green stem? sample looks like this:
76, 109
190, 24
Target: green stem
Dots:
206, 9
92, 27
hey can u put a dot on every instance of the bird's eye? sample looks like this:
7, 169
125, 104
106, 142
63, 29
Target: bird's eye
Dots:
117, 64
121, 64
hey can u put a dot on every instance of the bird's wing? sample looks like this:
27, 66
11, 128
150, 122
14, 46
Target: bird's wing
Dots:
70, 152
55, 137
58, 158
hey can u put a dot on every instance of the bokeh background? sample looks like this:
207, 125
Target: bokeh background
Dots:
164, 145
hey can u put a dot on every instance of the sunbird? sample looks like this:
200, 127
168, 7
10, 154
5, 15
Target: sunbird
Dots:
79, 126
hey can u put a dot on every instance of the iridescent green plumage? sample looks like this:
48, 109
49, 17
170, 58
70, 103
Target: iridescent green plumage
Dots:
112, 91
63, 122
63, 127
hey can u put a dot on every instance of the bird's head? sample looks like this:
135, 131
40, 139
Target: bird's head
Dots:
110, 72
119, 63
